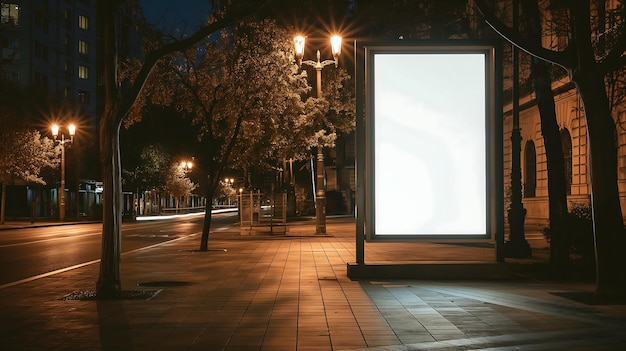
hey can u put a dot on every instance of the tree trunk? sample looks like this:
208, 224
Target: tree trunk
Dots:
109, 281
557, 185
557, 191
204, 241
3, 202
33, 203
608, 224
77, 197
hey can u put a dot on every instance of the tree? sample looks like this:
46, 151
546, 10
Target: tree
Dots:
414, 19
23, 154
587, 69
242, 93
177, 183
119, 99
557, 192
149, 171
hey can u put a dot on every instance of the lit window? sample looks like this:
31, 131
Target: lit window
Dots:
83, 72
83, 47
83, 22
9, 13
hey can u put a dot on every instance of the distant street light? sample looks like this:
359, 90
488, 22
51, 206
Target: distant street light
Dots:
55, 133
229, 182
186, 165
320, 194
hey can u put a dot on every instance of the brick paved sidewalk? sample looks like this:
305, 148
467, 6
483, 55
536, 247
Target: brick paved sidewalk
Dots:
291, 293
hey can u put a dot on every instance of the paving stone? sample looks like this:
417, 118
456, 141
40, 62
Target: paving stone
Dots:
292, 293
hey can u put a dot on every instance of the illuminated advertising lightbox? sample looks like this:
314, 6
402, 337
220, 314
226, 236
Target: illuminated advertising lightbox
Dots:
429, 128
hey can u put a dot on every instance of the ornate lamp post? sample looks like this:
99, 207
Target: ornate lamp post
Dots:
55, 133
320, 193
517, 245
187, 166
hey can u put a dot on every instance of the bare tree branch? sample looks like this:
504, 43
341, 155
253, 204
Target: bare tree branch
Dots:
615, 59
153, 57
562, 58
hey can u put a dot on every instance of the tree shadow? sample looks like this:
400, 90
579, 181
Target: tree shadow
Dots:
114, 329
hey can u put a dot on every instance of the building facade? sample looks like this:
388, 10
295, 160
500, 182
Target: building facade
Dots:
571, 121
50, 45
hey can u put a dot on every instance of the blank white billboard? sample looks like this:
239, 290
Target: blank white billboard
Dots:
428, 129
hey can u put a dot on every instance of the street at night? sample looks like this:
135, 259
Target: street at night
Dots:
379, 175
30, 252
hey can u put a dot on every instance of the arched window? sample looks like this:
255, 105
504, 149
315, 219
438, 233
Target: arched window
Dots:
566, 145
530, 169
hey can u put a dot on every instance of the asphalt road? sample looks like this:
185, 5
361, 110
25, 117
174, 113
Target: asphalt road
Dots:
25, 253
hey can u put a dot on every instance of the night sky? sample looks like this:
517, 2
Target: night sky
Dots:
174, 13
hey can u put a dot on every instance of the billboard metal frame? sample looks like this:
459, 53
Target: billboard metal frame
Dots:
365, 53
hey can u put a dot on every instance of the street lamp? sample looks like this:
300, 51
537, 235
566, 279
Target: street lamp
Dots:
229, 182
186, 165
320, 194
335, 45
55, 133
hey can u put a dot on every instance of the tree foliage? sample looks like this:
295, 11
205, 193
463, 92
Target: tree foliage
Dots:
414, 19
177, 183
150, 171
242, 92
24, 153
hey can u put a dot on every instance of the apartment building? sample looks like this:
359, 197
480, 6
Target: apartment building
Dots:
51, 44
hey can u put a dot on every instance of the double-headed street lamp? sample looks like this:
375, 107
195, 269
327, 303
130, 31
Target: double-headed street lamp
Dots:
55, 133
320, 194
186, 165
229, 182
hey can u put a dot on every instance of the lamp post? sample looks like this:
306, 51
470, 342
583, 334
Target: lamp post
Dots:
229, 182
517, 246
55, 133
320, 193
187, 166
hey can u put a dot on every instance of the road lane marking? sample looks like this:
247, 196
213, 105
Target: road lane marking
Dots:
50, 239
61, 270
